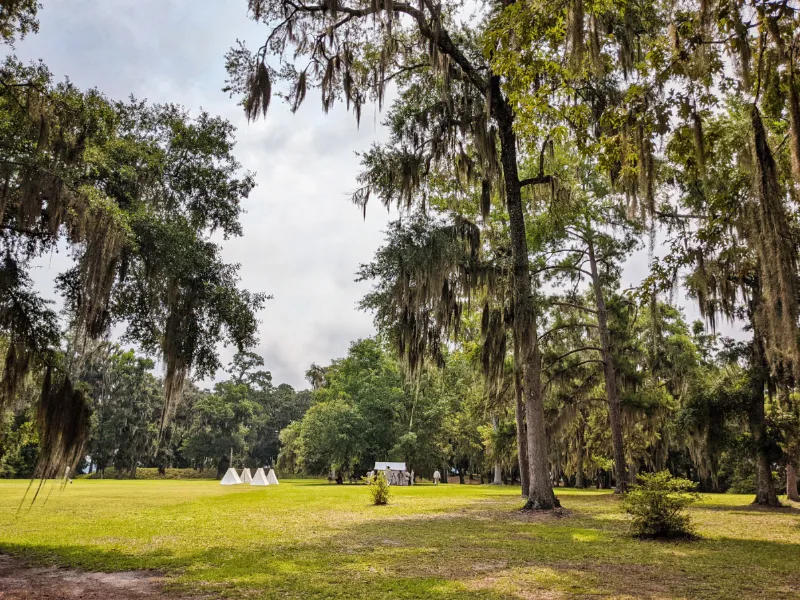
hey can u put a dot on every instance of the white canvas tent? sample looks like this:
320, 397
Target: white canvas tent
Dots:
231, 478
259, 478
246, 477
272, 478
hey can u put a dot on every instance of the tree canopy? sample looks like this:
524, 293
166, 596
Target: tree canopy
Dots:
134, 192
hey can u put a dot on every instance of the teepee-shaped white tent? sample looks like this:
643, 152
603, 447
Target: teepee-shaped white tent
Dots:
273, 480
259, 478
231, 478
246, 477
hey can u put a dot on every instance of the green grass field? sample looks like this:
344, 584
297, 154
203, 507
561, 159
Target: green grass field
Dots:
309, 539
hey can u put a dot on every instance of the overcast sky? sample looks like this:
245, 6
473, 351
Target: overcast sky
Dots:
303, 239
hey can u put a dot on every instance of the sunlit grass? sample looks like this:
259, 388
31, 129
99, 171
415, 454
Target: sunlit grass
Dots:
307, 539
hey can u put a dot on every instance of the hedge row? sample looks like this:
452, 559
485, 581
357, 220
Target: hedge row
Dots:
152, 473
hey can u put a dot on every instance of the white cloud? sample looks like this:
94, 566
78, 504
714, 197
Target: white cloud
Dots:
303, 239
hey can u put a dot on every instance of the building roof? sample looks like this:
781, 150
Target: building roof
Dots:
394, 466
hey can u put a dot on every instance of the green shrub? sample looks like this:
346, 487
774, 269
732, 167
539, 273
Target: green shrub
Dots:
152, 473
378, 489
658, 506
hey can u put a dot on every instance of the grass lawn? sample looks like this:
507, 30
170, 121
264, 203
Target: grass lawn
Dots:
309, 539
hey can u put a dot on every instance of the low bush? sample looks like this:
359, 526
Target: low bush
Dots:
658, 506
378, 489
152, 473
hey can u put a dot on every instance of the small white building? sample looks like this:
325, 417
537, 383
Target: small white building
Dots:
395, 472
394, 466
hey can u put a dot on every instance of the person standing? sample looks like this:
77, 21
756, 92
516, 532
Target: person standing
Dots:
436, 477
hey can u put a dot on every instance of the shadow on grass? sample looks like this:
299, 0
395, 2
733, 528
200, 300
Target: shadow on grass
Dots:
485, 552
285, 571
750, 508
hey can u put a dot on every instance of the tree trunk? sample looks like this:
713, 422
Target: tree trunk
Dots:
580, 476
765, 486
522, 434
610, 372
222, 466
540, 492
765, 493
556, 470
633, 472
791, 482
497, 478
714, 474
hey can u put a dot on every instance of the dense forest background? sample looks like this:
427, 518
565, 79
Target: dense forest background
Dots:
363, 408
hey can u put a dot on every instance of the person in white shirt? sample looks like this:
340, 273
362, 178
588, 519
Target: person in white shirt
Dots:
436, 477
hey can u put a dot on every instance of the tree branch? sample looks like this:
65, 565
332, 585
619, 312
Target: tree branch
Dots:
541, 179
441, 37
676, 215
583, 362
405, 69
571, 352
586, 308
564, 326
562, 267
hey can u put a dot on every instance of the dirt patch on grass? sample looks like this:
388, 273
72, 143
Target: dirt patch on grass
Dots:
19, 581
566, 580
541, 516
518, 515
502, 584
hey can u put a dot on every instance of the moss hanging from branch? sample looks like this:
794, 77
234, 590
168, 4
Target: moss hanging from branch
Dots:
98, 229
15, 368
426, 277
495, 325
259, 93
740, 43
699, 145
767, 230
62, 419
576, 32
30, 328
645, 170
177, 345
793, 102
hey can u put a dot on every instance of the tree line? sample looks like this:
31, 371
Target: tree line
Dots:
239, 418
